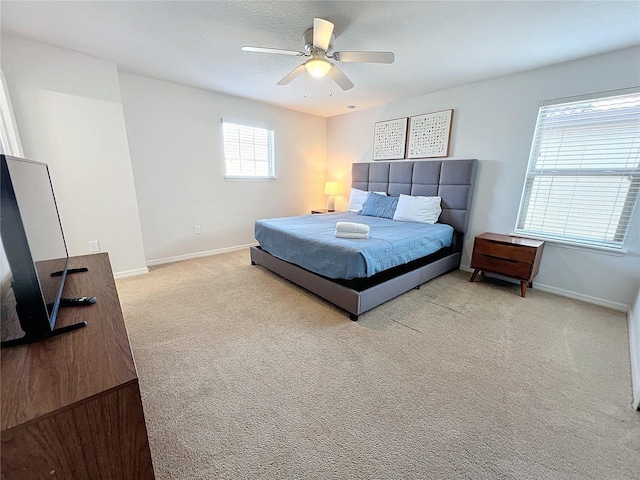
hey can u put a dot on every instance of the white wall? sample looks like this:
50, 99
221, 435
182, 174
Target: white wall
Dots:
494, 121
69, 113
175, 141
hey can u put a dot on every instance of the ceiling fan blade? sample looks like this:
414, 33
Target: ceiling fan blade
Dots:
364, 57
340, 78
272, 50
322, 30
292, 74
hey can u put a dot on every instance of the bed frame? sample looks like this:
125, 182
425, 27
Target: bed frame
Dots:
452, 180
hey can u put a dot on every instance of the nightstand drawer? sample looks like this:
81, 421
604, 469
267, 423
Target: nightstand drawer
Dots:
504, 250
510, 268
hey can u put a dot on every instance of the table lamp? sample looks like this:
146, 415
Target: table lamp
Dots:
331, 189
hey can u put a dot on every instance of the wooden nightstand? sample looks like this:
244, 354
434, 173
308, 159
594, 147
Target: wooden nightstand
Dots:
322, 211
514, 257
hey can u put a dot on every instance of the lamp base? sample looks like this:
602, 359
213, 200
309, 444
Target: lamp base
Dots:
331, 204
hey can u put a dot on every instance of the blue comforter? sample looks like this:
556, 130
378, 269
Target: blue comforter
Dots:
308, 241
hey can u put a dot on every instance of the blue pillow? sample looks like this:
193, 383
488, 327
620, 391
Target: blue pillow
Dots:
379, 206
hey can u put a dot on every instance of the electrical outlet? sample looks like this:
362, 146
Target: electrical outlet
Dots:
196, 229
94, 246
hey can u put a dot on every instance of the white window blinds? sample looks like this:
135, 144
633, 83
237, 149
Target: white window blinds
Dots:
584, 171
248, 151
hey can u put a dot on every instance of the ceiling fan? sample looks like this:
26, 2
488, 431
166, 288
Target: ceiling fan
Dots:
318, 45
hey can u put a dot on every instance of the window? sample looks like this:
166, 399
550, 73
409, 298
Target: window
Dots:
248, 151
9, 138
584, 171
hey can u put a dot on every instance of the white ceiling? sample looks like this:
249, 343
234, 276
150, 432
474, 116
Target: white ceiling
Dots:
438, 44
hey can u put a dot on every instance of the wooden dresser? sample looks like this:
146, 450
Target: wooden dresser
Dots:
71, 406
514, 257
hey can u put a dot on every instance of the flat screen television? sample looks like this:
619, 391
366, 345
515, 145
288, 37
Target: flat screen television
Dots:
34, 245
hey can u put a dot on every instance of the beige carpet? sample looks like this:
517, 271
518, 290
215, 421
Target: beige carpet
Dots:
246, 376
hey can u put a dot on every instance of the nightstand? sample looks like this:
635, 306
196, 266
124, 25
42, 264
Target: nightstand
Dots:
514, 257
322, 211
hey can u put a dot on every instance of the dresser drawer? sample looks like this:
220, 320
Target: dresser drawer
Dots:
504, 250
510, 268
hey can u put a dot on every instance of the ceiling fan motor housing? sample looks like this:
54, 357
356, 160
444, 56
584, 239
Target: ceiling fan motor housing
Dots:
307, 38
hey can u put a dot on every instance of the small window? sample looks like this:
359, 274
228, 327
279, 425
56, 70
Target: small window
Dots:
248, 151
583, 176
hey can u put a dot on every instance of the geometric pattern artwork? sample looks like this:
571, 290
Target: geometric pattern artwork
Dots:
429, 135
389, 139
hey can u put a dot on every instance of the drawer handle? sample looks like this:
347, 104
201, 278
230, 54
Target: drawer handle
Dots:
497, 242
504, 259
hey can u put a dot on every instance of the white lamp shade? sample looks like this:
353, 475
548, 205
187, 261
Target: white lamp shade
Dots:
318, 67
331, 188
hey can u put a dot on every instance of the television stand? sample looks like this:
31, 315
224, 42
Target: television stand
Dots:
71, 406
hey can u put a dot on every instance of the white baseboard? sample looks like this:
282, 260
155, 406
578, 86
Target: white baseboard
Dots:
603, 302
131, 273
620, 307
206, 253
634, 347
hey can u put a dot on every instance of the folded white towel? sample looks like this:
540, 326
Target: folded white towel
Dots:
350, 235
352, 227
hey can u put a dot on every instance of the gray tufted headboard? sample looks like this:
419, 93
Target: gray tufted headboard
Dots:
452, 180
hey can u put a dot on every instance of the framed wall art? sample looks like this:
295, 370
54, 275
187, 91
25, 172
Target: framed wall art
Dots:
389, 139
429, 135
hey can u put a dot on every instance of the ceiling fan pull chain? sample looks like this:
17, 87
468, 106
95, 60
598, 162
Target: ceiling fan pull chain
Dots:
306, 84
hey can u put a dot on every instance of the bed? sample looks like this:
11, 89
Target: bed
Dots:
359, 286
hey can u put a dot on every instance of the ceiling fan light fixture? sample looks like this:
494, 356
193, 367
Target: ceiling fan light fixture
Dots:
318, 67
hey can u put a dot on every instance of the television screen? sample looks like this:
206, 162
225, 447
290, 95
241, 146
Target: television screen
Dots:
34, 244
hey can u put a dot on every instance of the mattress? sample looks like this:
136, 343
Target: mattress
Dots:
309, 242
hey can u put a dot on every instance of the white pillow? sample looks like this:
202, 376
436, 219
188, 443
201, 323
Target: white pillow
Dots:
357, 198
417, 209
